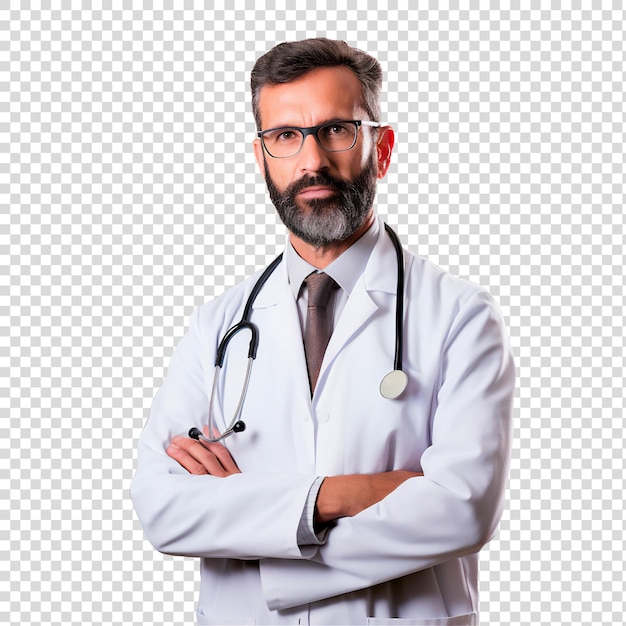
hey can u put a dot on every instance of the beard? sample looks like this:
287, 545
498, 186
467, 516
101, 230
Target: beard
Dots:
323, 221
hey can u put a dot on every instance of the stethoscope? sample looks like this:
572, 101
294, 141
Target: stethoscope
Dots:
391, 386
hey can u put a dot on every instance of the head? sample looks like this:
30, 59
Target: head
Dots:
323, 197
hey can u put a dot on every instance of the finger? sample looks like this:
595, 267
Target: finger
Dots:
205, 457
185, 460
220, 451
224, 457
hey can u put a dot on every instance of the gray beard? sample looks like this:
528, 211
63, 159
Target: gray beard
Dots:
328, 220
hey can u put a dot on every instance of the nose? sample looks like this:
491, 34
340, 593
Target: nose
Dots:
312, 157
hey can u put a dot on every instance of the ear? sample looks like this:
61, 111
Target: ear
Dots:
384, 148
258, 155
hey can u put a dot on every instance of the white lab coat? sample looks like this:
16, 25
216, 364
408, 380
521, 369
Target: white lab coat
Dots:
411, 558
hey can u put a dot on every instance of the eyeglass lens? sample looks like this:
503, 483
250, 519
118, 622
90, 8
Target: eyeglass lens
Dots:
335, 137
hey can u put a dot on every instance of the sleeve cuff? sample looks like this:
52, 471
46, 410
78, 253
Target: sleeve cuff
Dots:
306, 535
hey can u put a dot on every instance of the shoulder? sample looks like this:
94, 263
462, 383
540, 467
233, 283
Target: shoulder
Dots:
228, 308
447, 303
425, 282
225, 309
432, 282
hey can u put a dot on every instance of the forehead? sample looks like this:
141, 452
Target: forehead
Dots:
321, 95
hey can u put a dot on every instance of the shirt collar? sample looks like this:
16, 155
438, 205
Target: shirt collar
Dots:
344, 270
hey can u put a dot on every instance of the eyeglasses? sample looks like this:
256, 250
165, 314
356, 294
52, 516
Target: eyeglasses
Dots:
287, 141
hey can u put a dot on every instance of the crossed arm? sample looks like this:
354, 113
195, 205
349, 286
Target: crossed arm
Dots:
339, 496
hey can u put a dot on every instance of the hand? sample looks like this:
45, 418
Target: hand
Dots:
200, 457
345, 496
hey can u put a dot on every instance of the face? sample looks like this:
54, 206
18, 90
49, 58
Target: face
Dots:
322, 197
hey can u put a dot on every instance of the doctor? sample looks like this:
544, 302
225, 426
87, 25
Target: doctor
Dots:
335, 505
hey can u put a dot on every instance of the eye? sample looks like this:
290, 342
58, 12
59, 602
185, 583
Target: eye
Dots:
286, 135
281, 136
335, 130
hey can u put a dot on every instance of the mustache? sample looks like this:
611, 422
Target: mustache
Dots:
319, 180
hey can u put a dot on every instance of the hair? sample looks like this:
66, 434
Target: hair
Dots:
289, 61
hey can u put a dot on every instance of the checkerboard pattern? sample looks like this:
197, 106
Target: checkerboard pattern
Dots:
129, 195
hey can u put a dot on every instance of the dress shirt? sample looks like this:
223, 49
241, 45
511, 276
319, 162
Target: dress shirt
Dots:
345, 270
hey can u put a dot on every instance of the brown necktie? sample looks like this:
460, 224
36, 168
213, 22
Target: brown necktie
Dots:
318, 322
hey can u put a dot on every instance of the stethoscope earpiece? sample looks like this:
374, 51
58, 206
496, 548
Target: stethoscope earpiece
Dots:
194, 433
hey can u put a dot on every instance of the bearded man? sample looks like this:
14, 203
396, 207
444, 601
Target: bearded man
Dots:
315, 487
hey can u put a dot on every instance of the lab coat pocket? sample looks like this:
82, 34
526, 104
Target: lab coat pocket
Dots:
469, 619
204, 620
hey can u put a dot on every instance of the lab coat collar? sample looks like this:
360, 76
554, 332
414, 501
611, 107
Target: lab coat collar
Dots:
380, 274
381, 271
376, 285
378, 282
345, 270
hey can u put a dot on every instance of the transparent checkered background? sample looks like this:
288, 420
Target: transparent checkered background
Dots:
129, 195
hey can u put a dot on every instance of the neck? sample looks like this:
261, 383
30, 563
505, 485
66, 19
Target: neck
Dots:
321, 257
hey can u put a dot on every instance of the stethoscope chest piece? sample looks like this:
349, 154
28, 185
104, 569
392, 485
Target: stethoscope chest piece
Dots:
393, 384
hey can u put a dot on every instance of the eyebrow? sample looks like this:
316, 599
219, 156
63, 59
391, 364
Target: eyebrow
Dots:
330, 121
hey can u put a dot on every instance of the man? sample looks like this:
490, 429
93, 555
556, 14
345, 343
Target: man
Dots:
335, 505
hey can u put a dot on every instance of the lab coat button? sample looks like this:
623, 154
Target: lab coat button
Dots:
323, 417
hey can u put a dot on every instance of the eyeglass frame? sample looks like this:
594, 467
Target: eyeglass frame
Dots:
313, 130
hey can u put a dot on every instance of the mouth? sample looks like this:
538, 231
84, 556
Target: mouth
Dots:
316, 193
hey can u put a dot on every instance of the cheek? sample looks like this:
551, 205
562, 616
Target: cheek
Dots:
366, 146
350, 164
366, 152
281, 175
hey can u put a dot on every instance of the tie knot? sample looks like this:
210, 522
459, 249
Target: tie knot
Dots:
320, 287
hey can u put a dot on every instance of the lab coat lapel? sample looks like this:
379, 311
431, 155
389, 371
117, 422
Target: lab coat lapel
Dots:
278, 406
379, 276
359, 308
276, 310
378, 281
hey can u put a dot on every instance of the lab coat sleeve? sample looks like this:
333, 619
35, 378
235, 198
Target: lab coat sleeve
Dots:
454, 508
247, 516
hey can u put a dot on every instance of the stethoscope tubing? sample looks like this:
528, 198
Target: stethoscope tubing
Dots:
399, 344
235, 424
